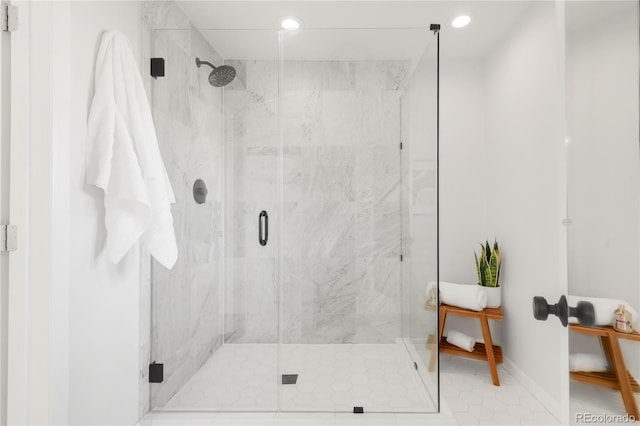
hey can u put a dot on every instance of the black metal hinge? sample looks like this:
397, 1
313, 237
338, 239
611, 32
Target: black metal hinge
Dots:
156, 373
435, 28
157, 67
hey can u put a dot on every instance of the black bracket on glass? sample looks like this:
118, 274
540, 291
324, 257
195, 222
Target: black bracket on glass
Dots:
584, 312
156, 373
435, 28
263, 228
157, 67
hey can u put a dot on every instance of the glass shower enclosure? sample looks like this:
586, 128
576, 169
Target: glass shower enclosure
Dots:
300, 283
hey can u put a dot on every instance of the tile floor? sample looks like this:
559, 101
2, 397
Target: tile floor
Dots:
468, 396
596, 400
466, 386
332, 378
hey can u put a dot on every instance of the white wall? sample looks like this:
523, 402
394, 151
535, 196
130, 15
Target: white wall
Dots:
523, 189
463, 162
604, 164
103, 298
501, 153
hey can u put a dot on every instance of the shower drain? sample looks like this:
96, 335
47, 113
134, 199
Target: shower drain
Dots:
289, 379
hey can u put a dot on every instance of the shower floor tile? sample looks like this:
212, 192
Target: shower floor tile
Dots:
237, 377
244, 377
466, 391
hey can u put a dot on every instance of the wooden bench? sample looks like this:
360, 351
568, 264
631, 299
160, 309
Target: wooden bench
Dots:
486, 351
618, 377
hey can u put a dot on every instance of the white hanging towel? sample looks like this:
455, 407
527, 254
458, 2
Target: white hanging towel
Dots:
124, 159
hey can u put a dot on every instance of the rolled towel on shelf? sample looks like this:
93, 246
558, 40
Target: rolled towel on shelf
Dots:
604, 308
461, 340
468, 296
586, 363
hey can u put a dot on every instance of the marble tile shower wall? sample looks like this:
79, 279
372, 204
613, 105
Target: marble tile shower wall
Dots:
341, 241
188, 118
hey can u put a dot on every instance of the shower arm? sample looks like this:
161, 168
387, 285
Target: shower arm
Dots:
199, 62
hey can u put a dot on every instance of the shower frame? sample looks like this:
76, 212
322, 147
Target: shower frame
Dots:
223, 187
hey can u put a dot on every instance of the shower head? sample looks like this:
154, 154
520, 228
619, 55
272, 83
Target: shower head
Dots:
220, 76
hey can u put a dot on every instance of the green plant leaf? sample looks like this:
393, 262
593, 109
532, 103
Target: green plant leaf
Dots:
487, 273
488, 264
481, 268
478, 268
493, 268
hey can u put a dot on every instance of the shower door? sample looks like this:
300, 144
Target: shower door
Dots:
603, 186
346, 313
252, 159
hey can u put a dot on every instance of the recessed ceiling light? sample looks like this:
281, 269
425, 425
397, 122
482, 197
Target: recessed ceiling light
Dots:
290, 23
460, 21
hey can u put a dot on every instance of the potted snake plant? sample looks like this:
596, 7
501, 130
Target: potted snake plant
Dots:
488, 265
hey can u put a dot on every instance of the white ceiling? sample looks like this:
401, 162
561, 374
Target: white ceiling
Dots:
260, 21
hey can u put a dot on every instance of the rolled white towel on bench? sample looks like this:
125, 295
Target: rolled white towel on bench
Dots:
468, 296
461, 340
586, 363
605, 309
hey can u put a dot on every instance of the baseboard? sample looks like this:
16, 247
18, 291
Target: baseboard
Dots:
550, 403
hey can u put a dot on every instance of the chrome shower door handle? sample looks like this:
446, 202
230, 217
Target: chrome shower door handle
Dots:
263, 228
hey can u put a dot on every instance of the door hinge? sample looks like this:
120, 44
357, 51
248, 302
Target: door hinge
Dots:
156, 372
401, 258
9, 17
8, 238
157, 67
400, 145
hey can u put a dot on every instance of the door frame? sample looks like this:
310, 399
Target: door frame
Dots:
37, 364
18, 275
5, 87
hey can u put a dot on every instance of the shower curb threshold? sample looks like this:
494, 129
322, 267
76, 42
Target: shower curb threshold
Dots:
293, 418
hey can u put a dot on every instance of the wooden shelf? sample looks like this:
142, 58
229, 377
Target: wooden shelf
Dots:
618, 377
479, 351
491, 313
604, 331
604, 378
486, 351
